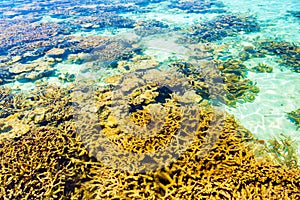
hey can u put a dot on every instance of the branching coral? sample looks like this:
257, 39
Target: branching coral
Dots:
217, 161
141, 116
288, 53
228, 171
151, 133
220, 81
43, 163
283, 151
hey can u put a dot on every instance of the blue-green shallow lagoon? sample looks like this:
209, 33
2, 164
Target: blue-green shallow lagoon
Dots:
241, 58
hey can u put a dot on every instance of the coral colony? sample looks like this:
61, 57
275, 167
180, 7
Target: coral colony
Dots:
86, 112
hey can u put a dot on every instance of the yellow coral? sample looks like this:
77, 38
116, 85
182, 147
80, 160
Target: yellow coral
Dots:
49, 162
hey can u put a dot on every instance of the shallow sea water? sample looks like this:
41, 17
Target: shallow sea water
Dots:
164, 33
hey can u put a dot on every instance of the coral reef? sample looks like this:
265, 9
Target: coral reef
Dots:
9, 104
283, 151
222, 26
107, 20
140, 115
191, 6
102, 48
228, 171
33, 36
51, 161
97, 51
38, 154
45, 163
220, 81
137, 62
12, 127
150, 28
294, 116
151, 130
262, 68
288, 53
21, 113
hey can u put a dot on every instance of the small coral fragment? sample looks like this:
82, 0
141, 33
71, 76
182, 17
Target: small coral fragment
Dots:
262, 68
294, 116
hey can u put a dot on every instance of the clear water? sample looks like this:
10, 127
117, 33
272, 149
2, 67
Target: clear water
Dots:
265, 117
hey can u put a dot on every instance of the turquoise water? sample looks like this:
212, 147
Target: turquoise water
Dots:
66, 43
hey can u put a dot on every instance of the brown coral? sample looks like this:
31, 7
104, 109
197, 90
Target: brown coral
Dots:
220, 81
165, 116
43, 164
50, 162
228, 171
